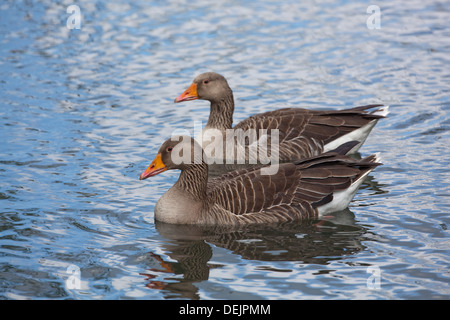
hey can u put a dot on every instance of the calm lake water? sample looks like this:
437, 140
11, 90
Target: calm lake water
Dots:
84, 111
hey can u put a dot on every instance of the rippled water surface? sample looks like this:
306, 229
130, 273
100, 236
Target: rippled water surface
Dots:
83, 112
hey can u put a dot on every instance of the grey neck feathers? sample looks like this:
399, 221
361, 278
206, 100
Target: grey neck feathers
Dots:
221, 114
193, 180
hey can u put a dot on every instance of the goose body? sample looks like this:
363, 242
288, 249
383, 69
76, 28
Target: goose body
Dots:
305, 189
302, 133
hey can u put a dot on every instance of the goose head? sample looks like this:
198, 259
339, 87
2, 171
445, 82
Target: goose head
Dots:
209, 86
178, 152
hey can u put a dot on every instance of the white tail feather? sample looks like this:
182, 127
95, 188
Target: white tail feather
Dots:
383, 111
342, 199
359, 134
378, 158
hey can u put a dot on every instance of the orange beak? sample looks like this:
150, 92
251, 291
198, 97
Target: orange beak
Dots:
156, 167
189, 94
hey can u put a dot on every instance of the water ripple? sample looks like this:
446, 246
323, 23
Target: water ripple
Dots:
84, 111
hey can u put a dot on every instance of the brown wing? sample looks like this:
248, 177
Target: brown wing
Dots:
293, 193
305, 132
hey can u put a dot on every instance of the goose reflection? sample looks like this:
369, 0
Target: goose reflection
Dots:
190, 248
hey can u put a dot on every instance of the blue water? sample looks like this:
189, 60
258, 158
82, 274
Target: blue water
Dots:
83, 112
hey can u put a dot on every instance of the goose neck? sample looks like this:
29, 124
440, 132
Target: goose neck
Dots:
193, 181
221, 114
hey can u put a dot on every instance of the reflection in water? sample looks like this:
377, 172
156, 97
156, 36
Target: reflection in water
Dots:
316, 242
191, 257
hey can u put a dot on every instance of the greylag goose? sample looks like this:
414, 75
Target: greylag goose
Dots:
302, 133
306, 189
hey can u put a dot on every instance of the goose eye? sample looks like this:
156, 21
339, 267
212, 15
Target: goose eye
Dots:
169, 149
205, 81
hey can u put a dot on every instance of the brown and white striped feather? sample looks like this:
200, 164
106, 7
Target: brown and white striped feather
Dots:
303, 133
295, 192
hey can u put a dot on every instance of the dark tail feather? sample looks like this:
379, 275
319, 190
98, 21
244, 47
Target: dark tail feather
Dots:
343, 149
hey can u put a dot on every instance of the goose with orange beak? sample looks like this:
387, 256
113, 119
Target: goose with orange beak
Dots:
303, 133
306, 189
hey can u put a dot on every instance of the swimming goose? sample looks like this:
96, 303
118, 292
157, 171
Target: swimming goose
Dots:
306, 189
302, 133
